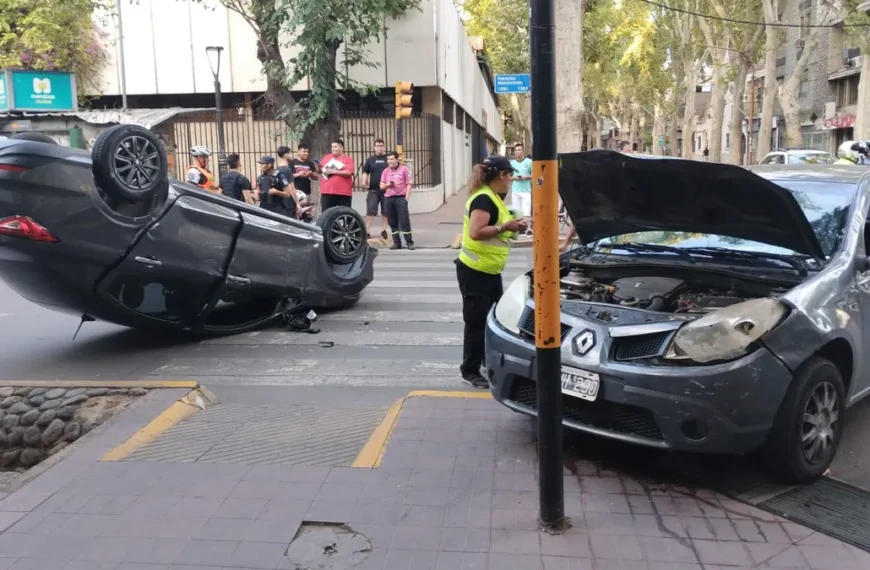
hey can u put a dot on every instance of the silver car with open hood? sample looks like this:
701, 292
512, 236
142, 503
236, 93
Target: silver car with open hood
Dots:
709, 308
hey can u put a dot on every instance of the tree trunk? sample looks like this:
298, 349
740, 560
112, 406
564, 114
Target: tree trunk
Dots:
278, 98
717, 112
672, 136
735, 130
635, 128
569, 74
320, 135
862, 115
771, 44
689, 113
789, 92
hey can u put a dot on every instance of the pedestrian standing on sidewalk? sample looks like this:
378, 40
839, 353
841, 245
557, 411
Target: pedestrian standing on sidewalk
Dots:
304, 170
396, 183
376, 198
521, 188
275, 190
337, 186
487, 229
234, 184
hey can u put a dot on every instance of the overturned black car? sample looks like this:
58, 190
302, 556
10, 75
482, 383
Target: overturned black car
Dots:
107, 235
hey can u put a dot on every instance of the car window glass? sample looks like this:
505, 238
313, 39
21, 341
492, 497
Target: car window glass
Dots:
236, 308
159, 299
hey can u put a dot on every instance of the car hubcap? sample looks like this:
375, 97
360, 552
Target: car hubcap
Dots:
820, 423
346, 234
137, 162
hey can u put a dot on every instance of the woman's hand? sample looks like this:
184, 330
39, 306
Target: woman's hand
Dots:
515, 226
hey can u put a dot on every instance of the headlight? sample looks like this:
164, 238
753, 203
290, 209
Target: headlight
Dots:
727, 333
510, 307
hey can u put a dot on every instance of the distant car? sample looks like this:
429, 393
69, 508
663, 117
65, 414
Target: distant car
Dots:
798, 156
710, 308
106, 235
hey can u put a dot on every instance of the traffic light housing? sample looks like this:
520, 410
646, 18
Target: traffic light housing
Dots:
404, 99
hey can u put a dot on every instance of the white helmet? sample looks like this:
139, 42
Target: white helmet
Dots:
199, 151
847, 151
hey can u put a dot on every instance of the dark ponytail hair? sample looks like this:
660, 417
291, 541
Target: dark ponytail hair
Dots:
481, 175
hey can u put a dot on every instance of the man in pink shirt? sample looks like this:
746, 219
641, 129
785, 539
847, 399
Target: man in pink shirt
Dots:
396, 182
336, 187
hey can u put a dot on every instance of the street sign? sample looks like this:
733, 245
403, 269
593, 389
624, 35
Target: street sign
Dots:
661, 140
513, 83
38, 91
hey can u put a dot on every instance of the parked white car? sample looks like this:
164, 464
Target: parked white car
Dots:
798, 156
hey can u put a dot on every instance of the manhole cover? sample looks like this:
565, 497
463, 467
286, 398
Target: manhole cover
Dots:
327, 546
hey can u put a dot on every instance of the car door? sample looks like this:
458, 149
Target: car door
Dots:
271, 261
173, 270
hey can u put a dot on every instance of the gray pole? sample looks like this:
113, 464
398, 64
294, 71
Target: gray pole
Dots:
122, 63
222, 157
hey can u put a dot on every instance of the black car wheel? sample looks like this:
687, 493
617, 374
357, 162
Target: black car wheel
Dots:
809, 424
35, 137
344, 234
130, 163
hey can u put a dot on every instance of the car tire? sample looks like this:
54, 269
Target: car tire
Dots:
817, 390
344, 234
34, 137
130, 163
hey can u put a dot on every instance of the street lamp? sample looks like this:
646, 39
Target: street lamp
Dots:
214, 61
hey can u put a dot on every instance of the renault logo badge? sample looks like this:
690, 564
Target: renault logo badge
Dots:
584, 342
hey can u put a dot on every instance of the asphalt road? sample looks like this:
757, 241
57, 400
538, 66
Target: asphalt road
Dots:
404, 335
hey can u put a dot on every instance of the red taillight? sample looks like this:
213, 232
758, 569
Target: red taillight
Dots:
24, 227
12, 168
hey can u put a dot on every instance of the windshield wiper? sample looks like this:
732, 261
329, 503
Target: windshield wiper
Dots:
799, 265
635, 246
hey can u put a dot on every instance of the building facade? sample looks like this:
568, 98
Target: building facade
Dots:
455, 123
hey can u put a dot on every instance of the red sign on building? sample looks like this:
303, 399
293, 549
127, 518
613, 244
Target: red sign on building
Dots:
842, 122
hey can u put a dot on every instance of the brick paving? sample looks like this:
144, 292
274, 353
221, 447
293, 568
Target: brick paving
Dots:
456, 491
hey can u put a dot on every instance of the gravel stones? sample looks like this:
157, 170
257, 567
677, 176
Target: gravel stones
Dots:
53, 433
138, 391
15, 436
94, 392
10, 458
10, 421
55, 393
72, 401
30, 418
49, 404
30, 456
32, 436
118, 392
35, 400
37, 392
66, 412
10, 400
75, 392
6, 391
72, 431
18, 408
46, 417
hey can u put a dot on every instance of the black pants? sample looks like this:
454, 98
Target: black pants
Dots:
399, 219
480, 291
327, 201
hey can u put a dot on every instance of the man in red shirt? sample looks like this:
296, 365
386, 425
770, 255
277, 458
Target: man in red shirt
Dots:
336, 188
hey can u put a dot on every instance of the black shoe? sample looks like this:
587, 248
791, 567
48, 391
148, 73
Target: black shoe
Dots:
411, 246
477, 380
395, 246
384, 234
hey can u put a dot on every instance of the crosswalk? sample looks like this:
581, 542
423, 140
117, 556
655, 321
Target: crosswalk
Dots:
406, 331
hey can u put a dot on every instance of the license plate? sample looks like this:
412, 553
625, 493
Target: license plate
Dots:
580, 384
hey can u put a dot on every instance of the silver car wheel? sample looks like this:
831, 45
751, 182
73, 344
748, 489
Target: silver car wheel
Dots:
820, 422
346, 234
136, 162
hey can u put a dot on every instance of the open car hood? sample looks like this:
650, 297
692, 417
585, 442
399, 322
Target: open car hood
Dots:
609, 193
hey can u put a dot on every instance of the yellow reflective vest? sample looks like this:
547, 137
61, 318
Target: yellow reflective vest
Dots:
487, 256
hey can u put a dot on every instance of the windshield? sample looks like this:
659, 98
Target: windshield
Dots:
825, 204
812, 158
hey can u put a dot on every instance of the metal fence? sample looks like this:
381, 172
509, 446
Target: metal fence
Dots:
252, 136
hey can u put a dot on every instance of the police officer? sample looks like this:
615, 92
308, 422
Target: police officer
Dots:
275, 189
487, 230
852, 152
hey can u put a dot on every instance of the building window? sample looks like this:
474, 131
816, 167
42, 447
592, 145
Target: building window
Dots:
804, 89
727, 140
847, 91
814, 139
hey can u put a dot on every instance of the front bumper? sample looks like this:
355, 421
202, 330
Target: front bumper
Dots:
723, 408
334, 286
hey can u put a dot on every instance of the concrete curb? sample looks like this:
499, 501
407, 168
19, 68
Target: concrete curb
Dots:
197, 399
373, 451
99, 383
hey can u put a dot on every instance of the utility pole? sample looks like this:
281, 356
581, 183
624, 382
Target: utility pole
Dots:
123, 63
545, 206
751, 119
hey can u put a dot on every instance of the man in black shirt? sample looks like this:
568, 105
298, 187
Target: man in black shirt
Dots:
275, 189
234, 184
303, 170
372, 170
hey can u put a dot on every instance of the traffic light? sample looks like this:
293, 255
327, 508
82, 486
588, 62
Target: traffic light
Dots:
404, 99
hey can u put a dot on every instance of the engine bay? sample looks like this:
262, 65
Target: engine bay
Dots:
659, 293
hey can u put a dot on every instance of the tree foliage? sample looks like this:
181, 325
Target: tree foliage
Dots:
52, 35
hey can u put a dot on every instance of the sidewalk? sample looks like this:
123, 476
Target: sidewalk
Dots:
444, 483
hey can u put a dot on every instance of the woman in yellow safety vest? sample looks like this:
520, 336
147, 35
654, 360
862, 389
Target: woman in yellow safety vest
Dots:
487, 230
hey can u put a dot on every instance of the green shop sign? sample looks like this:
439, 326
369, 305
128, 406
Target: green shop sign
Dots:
38, 91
